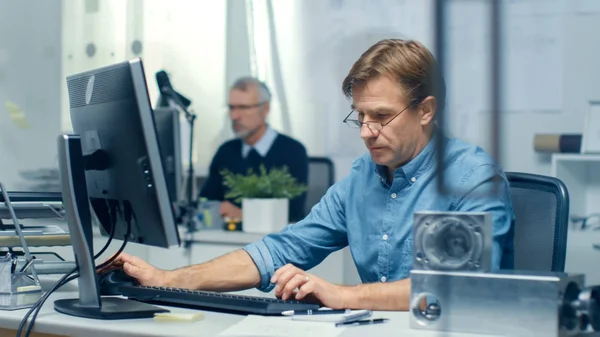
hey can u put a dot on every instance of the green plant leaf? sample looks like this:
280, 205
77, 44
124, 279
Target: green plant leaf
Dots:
275, 183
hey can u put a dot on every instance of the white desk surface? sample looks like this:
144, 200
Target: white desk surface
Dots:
223, 237
52, 322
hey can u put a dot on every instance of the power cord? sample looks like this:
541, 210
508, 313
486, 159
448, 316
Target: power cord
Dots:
70, 276
66, 279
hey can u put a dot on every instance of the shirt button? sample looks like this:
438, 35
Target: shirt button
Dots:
413, 179
385, 237
394, 195
383, 279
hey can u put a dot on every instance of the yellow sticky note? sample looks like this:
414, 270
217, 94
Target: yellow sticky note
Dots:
16, 115
28, 288
178, 317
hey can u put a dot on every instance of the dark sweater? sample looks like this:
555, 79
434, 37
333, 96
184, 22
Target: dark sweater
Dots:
284, 151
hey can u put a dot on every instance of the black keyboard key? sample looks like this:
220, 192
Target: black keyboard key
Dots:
207, 300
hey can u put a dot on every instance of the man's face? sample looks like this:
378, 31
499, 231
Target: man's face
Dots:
246, 113
378, 100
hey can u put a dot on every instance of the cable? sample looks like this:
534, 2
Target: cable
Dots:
113, 221
41, 300
36, 307
65, 279
68, 277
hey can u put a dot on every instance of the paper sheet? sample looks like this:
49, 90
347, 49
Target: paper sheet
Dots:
585, 6
280, 326
533, 60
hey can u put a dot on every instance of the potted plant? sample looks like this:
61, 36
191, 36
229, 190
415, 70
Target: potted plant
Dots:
264, 197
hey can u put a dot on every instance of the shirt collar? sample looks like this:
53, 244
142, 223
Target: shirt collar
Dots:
415, 168
263, 145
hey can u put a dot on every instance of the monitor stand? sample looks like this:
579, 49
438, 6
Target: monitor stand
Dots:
76, 205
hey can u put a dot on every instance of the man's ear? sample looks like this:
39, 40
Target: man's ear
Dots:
265, 109
427, 110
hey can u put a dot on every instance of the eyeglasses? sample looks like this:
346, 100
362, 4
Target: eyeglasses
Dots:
373, 126
243, 106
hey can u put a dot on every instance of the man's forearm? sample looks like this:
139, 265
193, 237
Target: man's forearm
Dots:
378, 296
230, 272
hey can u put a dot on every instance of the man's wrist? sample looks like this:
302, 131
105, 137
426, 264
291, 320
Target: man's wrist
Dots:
171, 278
348, 295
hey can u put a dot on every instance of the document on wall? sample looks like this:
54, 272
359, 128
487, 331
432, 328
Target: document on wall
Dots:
585, 7
532, 48
534, 34
267, 326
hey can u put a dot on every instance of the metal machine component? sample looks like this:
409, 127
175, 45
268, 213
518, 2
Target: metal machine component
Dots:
507, 304
581, 308
452, 241
453, 290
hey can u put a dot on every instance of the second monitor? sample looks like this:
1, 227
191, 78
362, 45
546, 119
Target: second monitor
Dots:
168, 130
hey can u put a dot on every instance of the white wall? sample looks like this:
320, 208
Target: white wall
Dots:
317, 41
550, 74
30, 48
93, 35
185, 38
549, 69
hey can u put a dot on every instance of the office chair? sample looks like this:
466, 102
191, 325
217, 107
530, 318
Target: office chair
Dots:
320, 177
541, 206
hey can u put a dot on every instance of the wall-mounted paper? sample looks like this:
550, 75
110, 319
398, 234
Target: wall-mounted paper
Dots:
534, 43
17, 116
586, 6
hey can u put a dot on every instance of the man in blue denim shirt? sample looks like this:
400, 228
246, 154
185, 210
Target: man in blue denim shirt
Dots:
395, 96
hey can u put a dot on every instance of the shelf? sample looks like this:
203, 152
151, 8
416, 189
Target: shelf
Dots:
581, 174
575, 157
33, 210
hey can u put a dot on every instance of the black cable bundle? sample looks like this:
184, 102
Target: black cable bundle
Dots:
71, 275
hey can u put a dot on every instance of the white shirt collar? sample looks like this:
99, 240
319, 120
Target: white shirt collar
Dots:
263, 145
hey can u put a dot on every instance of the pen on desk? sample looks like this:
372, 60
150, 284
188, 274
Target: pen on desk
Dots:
363, 322
314, 312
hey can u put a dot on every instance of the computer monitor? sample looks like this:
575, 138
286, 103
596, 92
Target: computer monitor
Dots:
112, 162
169, 139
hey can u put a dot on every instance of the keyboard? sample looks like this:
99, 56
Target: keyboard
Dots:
208, 300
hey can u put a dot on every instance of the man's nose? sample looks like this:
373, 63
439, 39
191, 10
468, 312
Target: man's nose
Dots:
366, 132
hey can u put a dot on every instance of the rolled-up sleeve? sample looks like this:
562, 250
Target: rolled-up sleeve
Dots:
487, 190
306, 243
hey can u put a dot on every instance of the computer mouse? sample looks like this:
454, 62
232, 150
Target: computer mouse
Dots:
110, 282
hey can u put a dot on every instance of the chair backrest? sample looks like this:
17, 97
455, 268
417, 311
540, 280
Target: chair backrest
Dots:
321, 176
541, 206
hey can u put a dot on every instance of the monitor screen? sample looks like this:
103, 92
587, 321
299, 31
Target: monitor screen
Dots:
125, 175
169, 138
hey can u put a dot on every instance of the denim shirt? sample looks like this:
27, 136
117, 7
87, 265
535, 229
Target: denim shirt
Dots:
374, 216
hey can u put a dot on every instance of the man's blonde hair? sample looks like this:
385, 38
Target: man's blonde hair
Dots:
408, 62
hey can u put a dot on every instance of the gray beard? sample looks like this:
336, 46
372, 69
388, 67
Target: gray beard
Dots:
242, 134
245, 134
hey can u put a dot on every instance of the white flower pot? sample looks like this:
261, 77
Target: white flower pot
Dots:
264, 215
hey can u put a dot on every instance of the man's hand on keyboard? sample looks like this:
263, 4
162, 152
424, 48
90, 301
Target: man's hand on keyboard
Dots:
294, 283
146, 274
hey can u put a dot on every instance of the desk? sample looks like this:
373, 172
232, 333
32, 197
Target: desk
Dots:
52, 324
